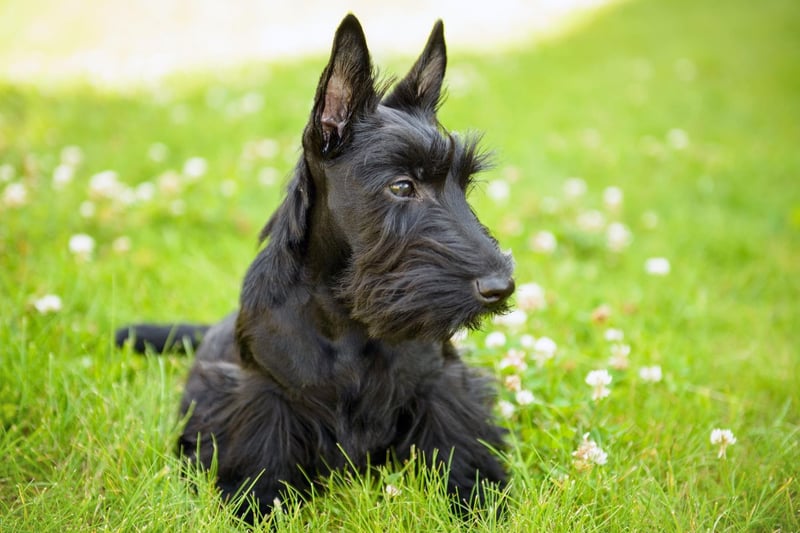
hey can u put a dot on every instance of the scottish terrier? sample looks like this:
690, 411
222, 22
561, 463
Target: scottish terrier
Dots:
339, 355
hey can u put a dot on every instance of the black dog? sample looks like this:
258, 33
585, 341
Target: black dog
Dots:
339, 353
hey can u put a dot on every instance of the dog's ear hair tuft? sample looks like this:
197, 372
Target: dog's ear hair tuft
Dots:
287, 225
278, 265
345, 92
421, 88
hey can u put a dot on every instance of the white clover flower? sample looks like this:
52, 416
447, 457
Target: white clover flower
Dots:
62, 175
7, 172
261, 149
216, 96
127, 196
543, 242
544, 349
618, 236
392, 490
157, 152
267, 148
619, 356
549, 205
195, 167
524, 397
612, 198
614, 335
531, 297
657, 266
276, 505
527, 341
511, 225
574, 188
722, 438
268, 176
495, 339
513, 383
169, 183
179, 113
591, 221
678, 139
513, 319
506, 408
588, 455
71, 155
619, 363
460, 81
685, 69
598, 379
514, 358
104, 184
49, 303
81, 245
251, 102
650, 374
650, 219
177, 207
651, 146
620, 350
601, 313
591, 138
15, 195
498, 190
121, 244
145, 191
512, 173
228, 188
87, 209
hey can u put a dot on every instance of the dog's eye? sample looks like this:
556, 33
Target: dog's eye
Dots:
404, 188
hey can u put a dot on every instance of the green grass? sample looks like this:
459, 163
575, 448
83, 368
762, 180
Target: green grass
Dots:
88, 431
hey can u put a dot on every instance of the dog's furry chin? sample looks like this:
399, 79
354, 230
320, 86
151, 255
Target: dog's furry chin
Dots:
401, 317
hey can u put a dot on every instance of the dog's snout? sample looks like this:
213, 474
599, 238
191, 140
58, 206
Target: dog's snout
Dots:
493, 289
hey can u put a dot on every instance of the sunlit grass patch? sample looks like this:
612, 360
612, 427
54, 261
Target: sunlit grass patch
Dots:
646, 183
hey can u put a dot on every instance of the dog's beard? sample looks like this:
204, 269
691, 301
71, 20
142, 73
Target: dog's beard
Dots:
416, 293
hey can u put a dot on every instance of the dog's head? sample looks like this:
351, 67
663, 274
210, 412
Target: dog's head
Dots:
377, 206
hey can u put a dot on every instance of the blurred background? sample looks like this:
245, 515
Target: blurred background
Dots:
116, 41
646, 180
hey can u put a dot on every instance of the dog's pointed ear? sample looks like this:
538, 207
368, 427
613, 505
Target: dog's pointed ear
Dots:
346, 89
422, 87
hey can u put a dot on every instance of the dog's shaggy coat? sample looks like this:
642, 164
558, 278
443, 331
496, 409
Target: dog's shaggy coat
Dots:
339, 352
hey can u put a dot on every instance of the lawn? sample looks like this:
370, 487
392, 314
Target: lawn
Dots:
647, 180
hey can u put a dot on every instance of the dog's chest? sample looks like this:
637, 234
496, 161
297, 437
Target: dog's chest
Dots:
375, 387
377, 372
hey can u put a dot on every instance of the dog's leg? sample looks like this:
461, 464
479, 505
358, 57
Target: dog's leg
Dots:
453, 422
240, 420
259, 443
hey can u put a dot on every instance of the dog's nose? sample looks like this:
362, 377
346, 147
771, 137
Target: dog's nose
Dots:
493, 289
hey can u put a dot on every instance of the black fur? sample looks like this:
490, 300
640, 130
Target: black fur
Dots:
161, 338
374, 259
